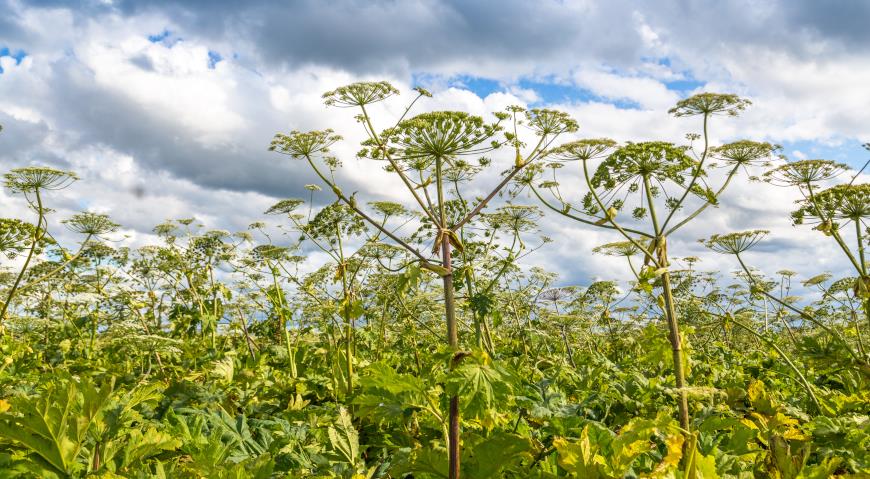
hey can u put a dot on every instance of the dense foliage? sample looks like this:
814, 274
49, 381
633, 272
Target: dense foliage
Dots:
216, 354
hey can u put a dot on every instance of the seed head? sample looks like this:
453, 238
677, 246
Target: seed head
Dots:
582, 149
92, 224
841, 202
361, 94
709, 104
734, 243
284, 207
33, 178
804, 172
304, 144
744, 152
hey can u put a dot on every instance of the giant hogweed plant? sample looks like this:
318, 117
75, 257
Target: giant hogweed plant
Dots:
429, 153
657, 181
838, 212
30, 240
331, 230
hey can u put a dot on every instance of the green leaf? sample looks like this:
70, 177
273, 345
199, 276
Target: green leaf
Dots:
480, 386
581, 458
343, 438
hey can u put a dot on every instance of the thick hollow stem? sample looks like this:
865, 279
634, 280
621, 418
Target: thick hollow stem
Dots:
453, 341
670, 313
676, 350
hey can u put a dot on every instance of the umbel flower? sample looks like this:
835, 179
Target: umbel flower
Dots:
709, 104
804, 172
304, 144
582, 149
618, 248
361, 94
91, 224
284, 207
441, 134
841, 202
33, 178
389, 208
514, 218
744, 152
654, 160
550, 122
15, 236
734, 243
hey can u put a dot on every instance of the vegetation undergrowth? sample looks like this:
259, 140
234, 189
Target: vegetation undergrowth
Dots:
416, 344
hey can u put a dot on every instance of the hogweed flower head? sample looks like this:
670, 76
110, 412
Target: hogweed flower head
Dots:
361, 94
709, 104
15, 236
92, 224
284, 207
652, 159
388, 208
33, 178
304, 144
550, 122
843, 202
745, 152
582, 150
441, 134
804, 172
515, 218
618, 248
734, 243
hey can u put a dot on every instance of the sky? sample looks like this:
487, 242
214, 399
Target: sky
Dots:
165, 109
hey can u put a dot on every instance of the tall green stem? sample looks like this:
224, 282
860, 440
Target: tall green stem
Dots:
38, 234
670, 312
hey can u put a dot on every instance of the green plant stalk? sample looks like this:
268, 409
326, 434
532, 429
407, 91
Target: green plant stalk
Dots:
291, 356
803, 380
804, 315
452, 333
453, 342
38, 234
670, 313
613, 220
348, 321
863, 273
694, 179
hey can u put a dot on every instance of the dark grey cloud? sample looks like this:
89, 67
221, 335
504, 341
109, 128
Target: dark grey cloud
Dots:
846, 21
86, 114
392, 36
428, 35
